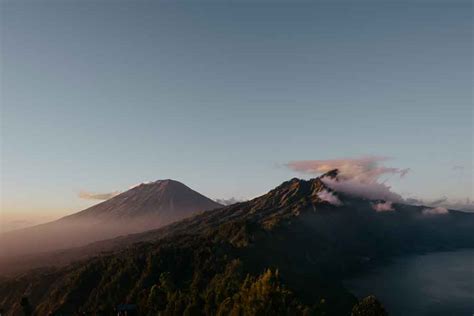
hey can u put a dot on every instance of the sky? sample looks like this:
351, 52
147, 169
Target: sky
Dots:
97, 96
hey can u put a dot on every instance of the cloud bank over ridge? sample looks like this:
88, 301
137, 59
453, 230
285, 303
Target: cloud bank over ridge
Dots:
367, 177
360, 177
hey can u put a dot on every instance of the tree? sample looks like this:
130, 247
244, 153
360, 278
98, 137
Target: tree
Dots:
369, 306
264, 295
166, 282
157, 299
25, 305
195, 308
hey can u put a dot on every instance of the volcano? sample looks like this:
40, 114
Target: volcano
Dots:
158, 203
143, 207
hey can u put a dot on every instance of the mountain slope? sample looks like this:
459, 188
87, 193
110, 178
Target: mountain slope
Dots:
166, 200
141, 208
288, 249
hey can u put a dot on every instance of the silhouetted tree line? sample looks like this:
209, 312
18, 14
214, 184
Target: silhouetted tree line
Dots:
255, 296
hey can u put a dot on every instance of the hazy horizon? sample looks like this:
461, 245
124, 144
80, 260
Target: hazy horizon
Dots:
97, 96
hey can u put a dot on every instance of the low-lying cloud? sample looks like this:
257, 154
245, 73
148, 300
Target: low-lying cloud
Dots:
329, 197
466, 205
229, 201
360, 177
16, 224
383, 206
435, 211
7, 224
371, 191
462, 205
97, 196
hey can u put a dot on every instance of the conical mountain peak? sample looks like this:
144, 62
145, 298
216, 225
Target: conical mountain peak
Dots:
159, 184
167, 200
145, 206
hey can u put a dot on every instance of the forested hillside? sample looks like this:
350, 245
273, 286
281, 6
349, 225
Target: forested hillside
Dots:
284, 253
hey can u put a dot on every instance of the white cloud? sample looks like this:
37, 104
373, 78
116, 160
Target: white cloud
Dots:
383, 206
97, 196
359, 177
372, 191
229, 201
435, 211
466, 205
329, 197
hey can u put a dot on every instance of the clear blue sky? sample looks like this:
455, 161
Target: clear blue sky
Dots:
100, 95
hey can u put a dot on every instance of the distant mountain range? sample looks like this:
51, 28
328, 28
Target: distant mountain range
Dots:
143, 207
283, 253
